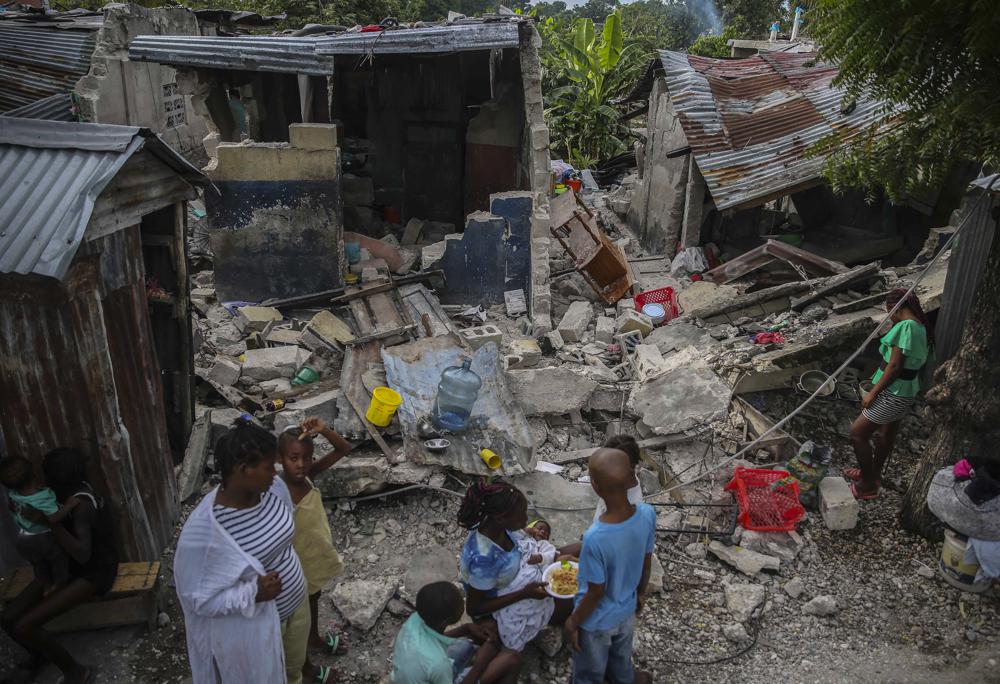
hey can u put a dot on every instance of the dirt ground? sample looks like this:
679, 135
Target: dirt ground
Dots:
896, 621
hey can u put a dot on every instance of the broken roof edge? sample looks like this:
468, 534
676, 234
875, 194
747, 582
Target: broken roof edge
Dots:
489, 35
279, 54
45, 221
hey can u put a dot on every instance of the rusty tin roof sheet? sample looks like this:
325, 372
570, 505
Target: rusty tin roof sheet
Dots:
38, 60
750, 121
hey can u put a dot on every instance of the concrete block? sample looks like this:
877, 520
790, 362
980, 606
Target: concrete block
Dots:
480, 335
837, 505
322, 405
575, 321
283, 336
273, 362
329, 328
354, 476
630, 319
552, 341
276, 386
647, 362
255, 318
527, 352
542, 391
225, 372
411, 233
313, 136
605, 332
625, 305
515, 302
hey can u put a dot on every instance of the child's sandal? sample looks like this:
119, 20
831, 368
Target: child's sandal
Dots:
324, 674
333, 645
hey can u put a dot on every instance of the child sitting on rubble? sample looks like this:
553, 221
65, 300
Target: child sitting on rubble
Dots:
313, 541
614, 571
427, 652
36, 542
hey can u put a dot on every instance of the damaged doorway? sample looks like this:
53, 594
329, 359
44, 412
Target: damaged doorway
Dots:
432, 172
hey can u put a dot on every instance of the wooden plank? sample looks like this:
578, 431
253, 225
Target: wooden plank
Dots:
394, 332
193, 468
132, 578
835, 284
120, 612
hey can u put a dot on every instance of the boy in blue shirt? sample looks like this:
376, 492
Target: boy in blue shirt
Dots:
614, 570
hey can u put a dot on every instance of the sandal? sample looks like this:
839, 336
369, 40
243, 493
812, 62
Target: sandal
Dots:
333, 645
863, 496
324, 674
852, 474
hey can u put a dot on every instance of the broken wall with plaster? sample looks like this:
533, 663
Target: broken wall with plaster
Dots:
120, 91
277, 229
668, 203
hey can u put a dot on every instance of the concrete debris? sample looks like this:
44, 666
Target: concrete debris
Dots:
362, 601
630, 319
568, 506
274, 362
477, 337
255, 318
355, 476
412, 231
647, 362
549, 641
821, 606
837, 504
794, 587
225, 372
524, 353
604, 331
736, 633
743, 599
747, 562
545, 391
552, 341
573, 325
656, 576
515, 302
434, 563
705, 398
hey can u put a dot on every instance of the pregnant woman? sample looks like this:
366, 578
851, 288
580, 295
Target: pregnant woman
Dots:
238, 578
501, 566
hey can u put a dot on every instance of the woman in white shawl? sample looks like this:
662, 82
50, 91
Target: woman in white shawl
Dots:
237, 576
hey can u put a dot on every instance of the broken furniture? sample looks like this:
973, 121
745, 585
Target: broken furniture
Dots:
799, 259
599, 260
134, 599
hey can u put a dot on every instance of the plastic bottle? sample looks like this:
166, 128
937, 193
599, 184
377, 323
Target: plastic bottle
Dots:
456, 395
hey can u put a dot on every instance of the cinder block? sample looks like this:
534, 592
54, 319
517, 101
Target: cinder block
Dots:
515, 302
630, 319
605, 332
527, 350
313, 136
625, 305
225, 372
575, 321
273, 362
837, 504
478, 336
647, 362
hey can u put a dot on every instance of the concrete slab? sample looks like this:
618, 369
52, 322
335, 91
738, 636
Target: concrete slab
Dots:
680, 400
677, 335
542, 391
546, 493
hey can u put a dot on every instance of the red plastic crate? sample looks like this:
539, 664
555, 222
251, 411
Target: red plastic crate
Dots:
764, 505
664, 296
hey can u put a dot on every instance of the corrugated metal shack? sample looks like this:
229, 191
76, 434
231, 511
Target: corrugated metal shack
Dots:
94, 322
727, 135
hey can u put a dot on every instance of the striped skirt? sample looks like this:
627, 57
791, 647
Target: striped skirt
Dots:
888, 408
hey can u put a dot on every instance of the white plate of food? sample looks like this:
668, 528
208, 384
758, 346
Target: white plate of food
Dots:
560, 579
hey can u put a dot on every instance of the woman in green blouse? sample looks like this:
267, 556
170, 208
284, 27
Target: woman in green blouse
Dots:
904, 349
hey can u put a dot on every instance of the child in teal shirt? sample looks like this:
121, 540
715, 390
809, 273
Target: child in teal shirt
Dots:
35, 542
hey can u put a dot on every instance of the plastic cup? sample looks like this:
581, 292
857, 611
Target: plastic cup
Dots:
491, 460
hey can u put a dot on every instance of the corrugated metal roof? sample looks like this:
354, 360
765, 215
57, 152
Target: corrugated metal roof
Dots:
750, 121
250, 53
53, 108
315, 54
37, 60
453, 38
51, 173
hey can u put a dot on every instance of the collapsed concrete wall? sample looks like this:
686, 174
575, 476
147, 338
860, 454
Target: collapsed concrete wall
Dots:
668, 204
120, 91
277, 226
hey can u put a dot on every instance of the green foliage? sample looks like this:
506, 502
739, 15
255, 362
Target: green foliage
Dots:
711, 46
751, 18
659, 25
937, 66
589, 72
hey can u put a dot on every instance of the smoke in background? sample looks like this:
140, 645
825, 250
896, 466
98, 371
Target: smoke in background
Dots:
707, 14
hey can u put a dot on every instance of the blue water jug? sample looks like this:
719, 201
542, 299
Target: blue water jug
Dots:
456, 395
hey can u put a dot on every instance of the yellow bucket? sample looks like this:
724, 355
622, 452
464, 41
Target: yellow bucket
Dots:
383, 406
491, 460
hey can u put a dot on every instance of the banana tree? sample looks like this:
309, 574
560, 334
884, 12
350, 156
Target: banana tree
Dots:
594, 71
